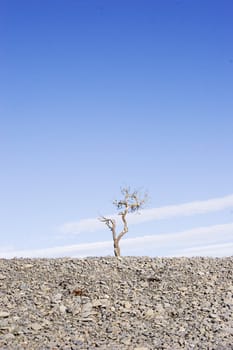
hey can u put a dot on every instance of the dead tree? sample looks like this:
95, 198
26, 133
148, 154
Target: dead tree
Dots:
131, 203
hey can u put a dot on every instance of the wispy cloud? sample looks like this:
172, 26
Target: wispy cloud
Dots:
202, 241
79, 250
146, 215
84, 225
217, 250
197, 241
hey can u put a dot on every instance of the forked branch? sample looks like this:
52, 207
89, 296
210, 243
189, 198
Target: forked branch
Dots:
131, 202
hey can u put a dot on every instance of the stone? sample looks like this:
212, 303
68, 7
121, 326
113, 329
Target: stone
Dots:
9, 336
28, 266
149, 314
127, 305
62, 308
36, 326
138, 303
86, 310
57, 298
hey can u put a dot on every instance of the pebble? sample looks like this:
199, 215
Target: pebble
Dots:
149, 313
136, 303
62, 308
36, 326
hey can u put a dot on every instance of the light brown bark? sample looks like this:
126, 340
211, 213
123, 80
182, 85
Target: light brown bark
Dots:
130, 203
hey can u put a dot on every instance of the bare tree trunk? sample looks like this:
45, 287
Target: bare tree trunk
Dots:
117, 250
130, 203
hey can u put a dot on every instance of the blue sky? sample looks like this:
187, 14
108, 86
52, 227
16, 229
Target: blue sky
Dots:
98, 94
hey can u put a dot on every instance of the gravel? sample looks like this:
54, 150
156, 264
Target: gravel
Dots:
137, 303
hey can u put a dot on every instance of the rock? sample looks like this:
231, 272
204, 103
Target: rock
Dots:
27, 266
36, 326
57, 298
96, 303
138, 303
62, 308
149, 314
101, 302
127, 305
86, 310
126, 341
8, 337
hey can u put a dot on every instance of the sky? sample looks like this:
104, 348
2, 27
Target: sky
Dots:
96, 95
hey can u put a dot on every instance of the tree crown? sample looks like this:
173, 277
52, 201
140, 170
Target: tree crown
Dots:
131, 202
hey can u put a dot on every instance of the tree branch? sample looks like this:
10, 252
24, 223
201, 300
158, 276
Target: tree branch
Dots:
111, 223
125, 229
130, 203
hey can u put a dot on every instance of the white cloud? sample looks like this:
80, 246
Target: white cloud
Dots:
203, 241
196, 241
218, 250
187, 209
171, 211
85, 225
84, 249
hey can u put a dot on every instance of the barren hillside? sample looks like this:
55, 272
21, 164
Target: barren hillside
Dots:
136, 303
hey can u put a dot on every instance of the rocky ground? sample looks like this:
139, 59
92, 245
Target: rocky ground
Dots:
136, 303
